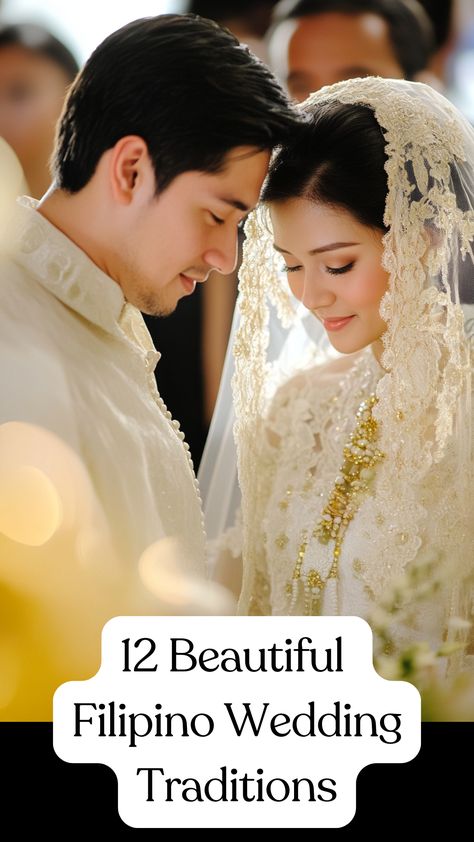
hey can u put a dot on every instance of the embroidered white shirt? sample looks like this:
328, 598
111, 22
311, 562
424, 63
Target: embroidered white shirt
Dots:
77, 360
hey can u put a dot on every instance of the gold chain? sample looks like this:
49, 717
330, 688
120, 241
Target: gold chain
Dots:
361, 455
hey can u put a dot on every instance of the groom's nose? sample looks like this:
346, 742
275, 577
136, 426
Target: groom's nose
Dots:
222, 252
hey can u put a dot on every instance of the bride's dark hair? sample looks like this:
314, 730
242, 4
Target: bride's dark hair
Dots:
337, 158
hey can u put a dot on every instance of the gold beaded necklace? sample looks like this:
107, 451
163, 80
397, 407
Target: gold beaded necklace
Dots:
356, 474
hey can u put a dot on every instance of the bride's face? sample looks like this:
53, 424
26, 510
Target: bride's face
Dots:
334, 267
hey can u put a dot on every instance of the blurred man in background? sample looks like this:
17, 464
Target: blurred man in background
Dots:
248, 20
443, 19
319, 42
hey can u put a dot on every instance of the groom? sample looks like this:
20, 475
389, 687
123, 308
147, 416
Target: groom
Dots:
161, 151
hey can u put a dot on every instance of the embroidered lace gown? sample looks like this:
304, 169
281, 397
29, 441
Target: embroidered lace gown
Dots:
293, 572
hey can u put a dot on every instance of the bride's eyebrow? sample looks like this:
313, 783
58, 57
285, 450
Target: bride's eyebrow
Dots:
328, 247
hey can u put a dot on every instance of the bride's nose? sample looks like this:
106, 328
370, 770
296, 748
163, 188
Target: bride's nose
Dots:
316, 295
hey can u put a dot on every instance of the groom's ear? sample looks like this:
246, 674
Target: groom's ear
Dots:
130, 169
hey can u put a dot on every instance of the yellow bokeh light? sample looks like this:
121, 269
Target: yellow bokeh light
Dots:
30, 507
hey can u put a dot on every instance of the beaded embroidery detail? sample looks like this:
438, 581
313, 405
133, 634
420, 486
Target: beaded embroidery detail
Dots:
361, 455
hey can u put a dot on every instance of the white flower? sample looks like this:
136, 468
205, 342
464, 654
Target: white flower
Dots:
458, 624
424, 658
449, 648
388, 667
380, 618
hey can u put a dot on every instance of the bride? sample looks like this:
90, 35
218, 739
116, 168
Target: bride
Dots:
354, 439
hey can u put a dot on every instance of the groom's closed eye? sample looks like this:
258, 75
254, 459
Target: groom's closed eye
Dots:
217, 219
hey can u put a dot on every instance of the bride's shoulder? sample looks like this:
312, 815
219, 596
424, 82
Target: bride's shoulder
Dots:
332, 370
304, 396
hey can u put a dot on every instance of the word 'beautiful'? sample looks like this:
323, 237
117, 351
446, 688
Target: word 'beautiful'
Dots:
297, 658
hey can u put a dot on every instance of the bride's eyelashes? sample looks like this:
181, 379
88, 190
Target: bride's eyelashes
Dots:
339, 270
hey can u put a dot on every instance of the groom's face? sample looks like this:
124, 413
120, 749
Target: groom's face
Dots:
188, 230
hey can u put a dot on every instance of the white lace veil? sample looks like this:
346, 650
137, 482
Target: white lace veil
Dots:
424, 400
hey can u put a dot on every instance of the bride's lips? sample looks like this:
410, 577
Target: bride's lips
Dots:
188, 283
336, 323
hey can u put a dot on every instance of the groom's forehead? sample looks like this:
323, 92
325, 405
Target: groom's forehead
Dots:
233, 187
243, 169
236, 183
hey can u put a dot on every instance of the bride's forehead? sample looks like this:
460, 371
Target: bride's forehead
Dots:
304, 214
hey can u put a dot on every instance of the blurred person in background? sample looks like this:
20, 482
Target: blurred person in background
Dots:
319, 42
453, 60
12, 182
442, 16
35, 72
460, 64
248, 20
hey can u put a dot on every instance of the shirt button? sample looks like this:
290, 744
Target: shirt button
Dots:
31, 239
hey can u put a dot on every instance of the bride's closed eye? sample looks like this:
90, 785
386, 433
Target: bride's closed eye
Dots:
340, 270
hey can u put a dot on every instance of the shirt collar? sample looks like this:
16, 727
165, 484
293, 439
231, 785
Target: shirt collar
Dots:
71, 276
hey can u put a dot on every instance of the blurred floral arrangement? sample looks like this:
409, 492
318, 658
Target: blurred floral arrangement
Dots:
444, 675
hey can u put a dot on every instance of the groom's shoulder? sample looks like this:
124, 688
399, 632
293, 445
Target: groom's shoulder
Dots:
21, 295
26, 324
33, 381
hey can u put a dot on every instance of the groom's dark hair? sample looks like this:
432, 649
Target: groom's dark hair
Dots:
183, 84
